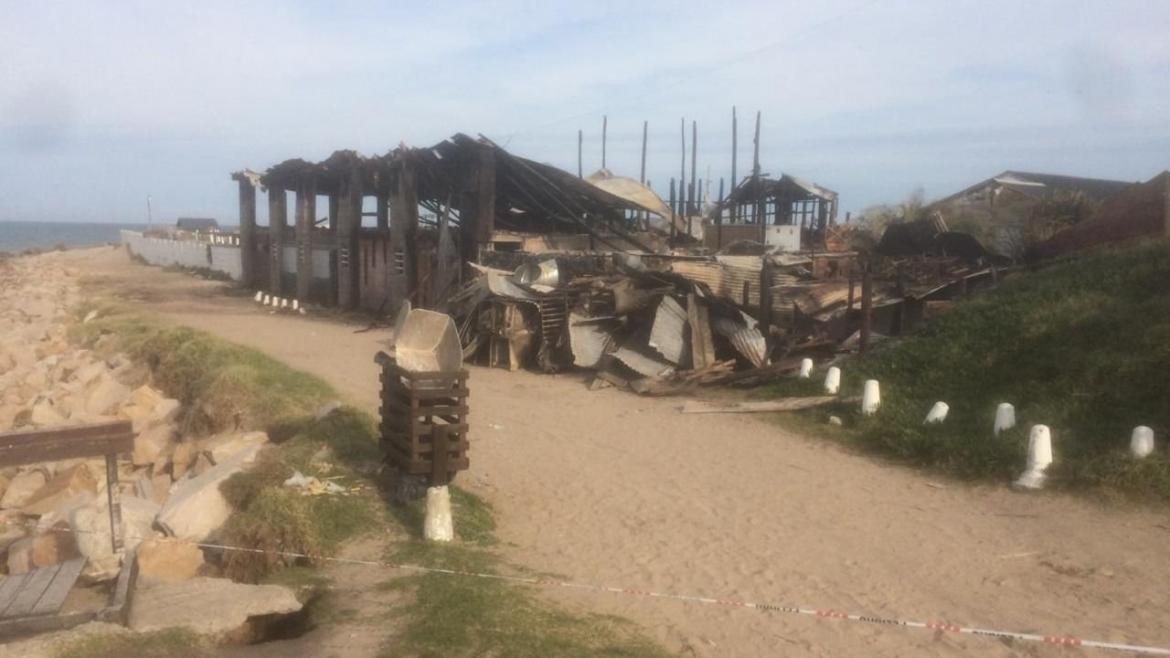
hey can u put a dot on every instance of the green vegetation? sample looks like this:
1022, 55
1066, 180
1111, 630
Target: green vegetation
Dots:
223, 386
157, 644
1082, 346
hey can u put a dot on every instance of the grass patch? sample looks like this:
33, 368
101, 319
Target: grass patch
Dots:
157, 644
221, 385
1082, 346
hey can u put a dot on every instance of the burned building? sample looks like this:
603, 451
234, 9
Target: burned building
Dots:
786, 213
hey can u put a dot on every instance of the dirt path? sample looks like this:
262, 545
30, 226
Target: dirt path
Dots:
606, 487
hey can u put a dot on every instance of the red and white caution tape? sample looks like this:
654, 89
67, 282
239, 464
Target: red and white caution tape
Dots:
946, 627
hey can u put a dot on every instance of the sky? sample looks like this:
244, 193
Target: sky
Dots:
103, 104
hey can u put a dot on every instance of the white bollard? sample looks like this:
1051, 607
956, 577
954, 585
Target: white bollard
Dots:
833, 380
296, 306
259, 295
283, 302
805, 368
267, 300
938, 413
1005, 417
1141, 444
871, 398
438, 525
1039, 458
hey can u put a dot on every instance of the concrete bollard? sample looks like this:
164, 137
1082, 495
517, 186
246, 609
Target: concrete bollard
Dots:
937, 413
296, 305
283, 303
438, 525
806, 366
1141, 443
259, 295
833, 380
267, 300
1039, 458
1005, 417
871, 398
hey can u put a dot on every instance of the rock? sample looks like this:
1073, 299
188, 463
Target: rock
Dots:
181, 457
54, 546
105, 396
90, 317
167, 560
221, 447
44, 414
22, 488
91, 525
196, 508
88, 373
201, 465
329, 407
63, 487
149, 444
834, 420
209, 606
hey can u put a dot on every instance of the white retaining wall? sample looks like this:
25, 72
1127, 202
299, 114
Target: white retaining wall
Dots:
185, 253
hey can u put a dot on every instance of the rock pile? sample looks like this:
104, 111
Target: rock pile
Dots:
169, 485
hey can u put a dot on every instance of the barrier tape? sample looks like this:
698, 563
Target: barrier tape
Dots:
937, 626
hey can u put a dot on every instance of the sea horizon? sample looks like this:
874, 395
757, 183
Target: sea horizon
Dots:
20, 235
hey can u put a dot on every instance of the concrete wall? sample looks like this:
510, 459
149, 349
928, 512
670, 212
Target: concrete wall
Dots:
184, 253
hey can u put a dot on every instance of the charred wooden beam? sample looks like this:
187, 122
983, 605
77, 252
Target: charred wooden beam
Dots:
277, 223
383, 205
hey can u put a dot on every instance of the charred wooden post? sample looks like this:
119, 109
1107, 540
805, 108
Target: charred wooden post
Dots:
247, 230
734, 180
757, 211
349, 221
719, 219
682, 169
849, 306
334, 210
277, 223
766, 301
866, 306
405, 211
694, 194
672, 209
383, 211
642, 171
580, 141
478, 216
604, 127
306, 201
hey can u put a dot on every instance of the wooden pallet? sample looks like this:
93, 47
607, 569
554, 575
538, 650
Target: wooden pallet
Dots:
31, 602
424, 421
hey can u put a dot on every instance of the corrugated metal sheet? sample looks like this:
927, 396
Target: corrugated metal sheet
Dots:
668, 333
642, 364
748, 341
588, 340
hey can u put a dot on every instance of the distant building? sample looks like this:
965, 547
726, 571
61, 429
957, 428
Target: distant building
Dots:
1015, 208
197, 224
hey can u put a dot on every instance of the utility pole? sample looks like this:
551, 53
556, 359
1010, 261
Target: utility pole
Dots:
604, 126
734, 180
580, 138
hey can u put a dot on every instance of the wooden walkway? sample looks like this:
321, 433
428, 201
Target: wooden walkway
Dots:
38, 592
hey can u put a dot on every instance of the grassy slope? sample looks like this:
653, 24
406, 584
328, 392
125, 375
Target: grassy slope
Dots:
222, 385
1082, 346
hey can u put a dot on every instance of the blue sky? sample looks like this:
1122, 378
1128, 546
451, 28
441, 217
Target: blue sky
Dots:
103, 103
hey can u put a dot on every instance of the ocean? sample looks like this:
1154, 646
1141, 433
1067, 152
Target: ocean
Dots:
15, 237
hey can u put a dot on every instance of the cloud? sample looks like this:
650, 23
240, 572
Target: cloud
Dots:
870, 98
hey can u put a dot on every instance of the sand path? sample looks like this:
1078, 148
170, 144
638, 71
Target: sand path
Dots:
607, 487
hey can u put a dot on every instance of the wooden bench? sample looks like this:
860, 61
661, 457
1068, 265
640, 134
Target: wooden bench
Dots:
30, 602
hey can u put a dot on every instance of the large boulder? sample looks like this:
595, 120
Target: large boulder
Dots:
150, 443
214, 607
53, 546
167, 560
22, 488
69, 483
196, 508
91, 526
105, 396
44, 414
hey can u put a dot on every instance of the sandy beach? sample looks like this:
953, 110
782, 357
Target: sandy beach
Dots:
609, 488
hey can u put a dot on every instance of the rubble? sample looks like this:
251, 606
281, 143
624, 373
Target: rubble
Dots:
196, 508
214, 607
167, 560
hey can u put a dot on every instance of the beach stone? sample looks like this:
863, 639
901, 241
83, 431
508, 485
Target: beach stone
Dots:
91, 524
22, 488
196, 508
222, 447
63, 487
151, 443
215, 607
106, 395
51, 547
89, 373
44, 414
167, 560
